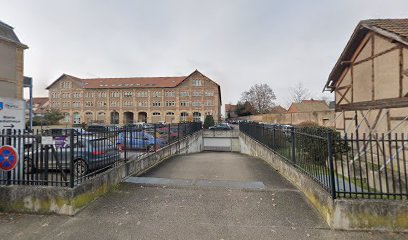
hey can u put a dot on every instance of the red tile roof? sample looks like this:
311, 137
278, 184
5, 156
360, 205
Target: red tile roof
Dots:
142, 82
39, 100
308, 106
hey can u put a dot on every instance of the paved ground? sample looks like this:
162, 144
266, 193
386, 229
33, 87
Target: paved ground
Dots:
199, 196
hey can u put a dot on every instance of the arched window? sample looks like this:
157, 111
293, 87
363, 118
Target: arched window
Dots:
156, 114
77, 118
170, 113
66, 117
196, 117
183, 117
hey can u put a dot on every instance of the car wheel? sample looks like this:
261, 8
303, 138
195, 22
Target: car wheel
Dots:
80, 168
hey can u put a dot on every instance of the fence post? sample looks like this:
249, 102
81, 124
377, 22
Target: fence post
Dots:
273, 137
155, 137
292, 133
331, 168
125, 142
71, 160
178, 131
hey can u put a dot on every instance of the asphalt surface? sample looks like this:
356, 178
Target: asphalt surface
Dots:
199, 196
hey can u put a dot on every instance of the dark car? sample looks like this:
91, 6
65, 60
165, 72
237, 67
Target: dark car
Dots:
88, 155
97, 128
221, 126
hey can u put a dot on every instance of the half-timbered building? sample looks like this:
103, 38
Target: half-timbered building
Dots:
370, 79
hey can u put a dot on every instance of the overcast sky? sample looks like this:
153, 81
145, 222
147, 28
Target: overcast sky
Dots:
236, 43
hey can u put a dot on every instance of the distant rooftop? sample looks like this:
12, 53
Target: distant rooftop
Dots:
7, 33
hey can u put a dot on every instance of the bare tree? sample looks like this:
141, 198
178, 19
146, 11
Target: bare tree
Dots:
260, 96
299, 93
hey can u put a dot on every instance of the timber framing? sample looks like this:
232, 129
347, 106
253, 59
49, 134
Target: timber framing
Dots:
376, 104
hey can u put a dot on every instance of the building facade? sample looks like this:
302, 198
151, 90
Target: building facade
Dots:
141, 99
11, 63
370, 79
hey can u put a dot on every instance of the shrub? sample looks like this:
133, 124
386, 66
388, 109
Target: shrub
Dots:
315, 148
209, 121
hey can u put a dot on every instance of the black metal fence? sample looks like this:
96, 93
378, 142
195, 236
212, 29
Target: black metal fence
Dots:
67, 157
347, 166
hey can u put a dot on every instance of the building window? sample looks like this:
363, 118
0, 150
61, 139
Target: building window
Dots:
170, 103
127, 94
115, 94
197, 94
184, 104
55, 95
184, 94
143, 104
170, 114
209, 103
156, 114
115, 104
127, 103
183, 117
196, 117
170, 94
101, 104
209, 94
66, 84
156, 94
76, 95
156, 104
89, 104
208, 113
197, 82
88, 117
142, 94
66, 104
64, 95
56, 104
196, 104
102, 94
76, 104
66, 117
89, 94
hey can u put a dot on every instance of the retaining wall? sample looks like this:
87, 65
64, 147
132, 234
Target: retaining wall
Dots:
68, 201
346, 214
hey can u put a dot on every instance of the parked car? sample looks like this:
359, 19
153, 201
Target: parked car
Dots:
133, 127
97, 128
148, 126
81, 131
139, 141
29, 138
65, 132
89, 154
221, 126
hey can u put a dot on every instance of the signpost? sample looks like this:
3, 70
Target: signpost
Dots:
12, 117
8, 158
12, 114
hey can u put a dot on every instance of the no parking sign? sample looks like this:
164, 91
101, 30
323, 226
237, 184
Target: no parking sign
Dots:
8, 158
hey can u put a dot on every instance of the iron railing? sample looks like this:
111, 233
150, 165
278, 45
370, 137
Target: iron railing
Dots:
346, 166
68, 157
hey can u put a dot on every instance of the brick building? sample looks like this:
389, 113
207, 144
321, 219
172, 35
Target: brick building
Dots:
140, 99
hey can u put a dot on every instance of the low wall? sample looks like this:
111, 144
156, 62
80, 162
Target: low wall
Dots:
226, 136
68, 201
346, 214
323, 118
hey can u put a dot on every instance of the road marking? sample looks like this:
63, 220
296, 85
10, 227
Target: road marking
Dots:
196, 183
